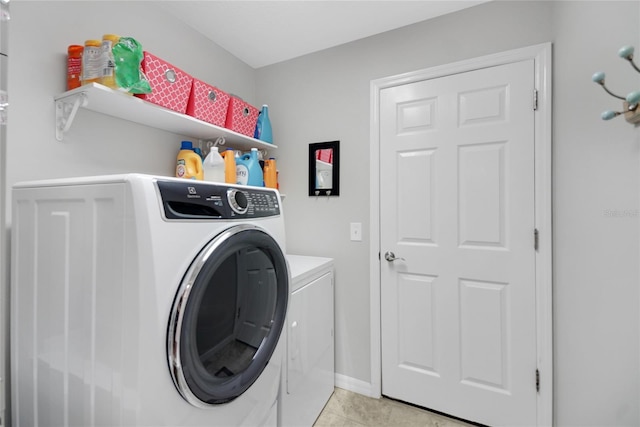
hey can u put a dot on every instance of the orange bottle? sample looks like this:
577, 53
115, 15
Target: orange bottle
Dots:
74, 65
229, 166
270, 173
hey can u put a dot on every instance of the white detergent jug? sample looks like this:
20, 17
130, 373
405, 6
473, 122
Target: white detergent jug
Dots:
213, 166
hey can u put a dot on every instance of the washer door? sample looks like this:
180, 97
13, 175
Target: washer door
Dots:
227, 316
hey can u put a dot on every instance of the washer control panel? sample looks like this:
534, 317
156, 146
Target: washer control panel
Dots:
207, 200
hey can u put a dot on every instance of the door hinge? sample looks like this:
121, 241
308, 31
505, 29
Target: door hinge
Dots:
537, 380
535, 99
536, 239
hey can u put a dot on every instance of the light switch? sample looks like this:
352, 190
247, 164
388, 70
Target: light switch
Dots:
356, 231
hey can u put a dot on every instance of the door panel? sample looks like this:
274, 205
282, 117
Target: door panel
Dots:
457, 210
481, 198
415, 171
416, 344
483, 333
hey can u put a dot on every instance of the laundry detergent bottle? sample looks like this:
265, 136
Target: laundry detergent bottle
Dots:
248, 170
270, 173
213, 166
263, 130
229, 156
189, 163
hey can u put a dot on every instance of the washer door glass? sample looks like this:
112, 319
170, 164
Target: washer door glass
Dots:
227, 316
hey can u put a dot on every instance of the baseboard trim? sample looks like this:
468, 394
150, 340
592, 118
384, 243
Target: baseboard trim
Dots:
357, 386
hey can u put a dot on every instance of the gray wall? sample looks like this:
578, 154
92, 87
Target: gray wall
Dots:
97, 144
40, 32
596, 218
325, 96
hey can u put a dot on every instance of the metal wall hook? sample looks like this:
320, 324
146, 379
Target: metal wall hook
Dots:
626, 52
630, 108
319, 193
599, 79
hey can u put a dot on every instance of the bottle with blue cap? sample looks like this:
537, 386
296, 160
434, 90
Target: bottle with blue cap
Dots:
248, 170
263, 126
189, 163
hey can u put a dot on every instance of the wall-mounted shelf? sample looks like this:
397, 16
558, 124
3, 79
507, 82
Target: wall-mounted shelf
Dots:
101, 99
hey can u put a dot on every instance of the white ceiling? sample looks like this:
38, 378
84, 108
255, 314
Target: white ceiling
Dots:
264, 32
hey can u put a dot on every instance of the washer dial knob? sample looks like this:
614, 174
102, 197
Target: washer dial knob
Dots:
238, 201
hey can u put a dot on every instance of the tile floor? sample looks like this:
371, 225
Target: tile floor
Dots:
346, 409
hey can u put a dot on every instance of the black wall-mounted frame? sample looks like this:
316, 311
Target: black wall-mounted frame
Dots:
324, 176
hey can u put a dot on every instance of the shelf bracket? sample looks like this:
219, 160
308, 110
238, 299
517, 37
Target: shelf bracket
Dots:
221, 140
66, 109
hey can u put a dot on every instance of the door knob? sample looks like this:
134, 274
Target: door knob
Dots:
390, 256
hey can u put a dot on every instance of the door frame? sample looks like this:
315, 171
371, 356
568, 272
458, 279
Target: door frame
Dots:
541, 55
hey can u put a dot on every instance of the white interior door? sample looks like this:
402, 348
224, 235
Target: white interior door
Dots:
457, 210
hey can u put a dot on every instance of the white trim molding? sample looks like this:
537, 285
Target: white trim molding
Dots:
357, 386
541, 55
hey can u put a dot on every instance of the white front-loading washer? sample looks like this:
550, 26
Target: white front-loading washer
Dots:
146, 301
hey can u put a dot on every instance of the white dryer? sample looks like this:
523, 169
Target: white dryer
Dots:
147, 301
308, 376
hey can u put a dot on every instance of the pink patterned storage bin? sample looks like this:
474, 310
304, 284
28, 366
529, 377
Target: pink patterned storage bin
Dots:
241, 117
170, 86
208, 103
